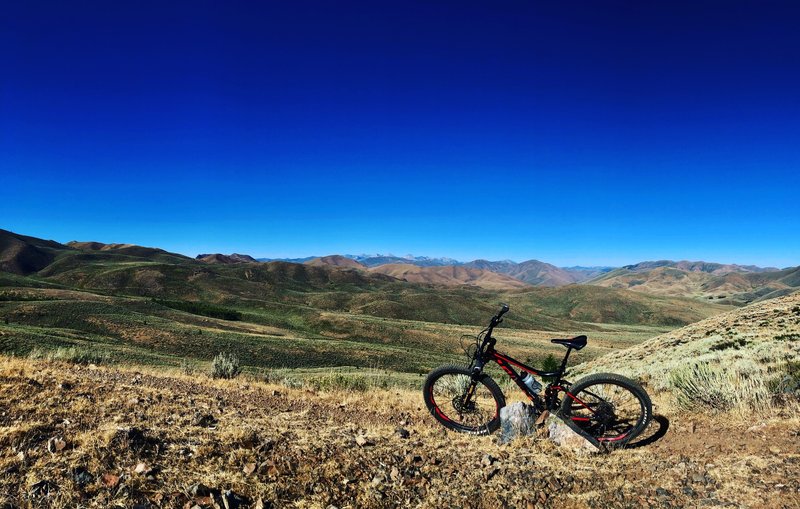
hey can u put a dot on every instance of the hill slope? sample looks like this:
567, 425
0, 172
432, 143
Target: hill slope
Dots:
20, 254
756, 338
451, 275
733, 283
221, 258
335, 261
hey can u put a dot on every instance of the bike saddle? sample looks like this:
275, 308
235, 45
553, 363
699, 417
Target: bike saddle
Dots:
577, 342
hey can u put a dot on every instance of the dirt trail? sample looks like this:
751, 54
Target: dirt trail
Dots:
143, 439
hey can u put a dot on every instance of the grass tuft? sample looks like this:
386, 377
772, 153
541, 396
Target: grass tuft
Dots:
72, 354
225, 365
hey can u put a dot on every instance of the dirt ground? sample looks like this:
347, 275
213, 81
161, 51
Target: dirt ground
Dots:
78, 436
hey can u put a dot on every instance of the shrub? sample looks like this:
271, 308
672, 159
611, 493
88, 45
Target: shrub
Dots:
187, 368
711, 387
734, 343
340, 381
788, 379
225, 365
201, 308
73, 354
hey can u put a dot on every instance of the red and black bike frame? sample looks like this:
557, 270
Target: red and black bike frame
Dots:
486, 353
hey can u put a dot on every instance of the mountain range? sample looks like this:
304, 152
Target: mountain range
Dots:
726, 283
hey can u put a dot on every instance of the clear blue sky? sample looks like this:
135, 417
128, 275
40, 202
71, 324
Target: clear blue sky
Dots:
571, 132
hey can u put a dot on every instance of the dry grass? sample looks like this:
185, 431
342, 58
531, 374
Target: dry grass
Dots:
163, 434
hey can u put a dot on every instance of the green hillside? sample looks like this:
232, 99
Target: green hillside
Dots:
148, 305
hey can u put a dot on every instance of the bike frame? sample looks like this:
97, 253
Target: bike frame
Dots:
486, 353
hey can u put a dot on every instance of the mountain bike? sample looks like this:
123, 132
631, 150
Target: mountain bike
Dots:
605, 407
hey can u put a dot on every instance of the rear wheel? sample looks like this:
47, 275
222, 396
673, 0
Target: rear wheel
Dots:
461, 404
611, 408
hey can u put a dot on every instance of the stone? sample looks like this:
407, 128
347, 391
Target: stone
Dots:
362, 441
563, 436
516, 420
56, 444
402, 433
204, 420
82, 477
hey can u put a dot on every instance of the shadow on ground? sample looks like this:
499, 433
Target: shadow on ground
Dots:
657, 429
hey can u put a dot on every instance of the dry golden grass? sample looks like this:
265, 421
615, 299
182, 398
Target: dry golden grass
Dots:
136, 437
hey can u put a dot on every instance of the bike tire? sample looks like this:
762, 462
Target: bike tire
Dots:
443, 406
587, 406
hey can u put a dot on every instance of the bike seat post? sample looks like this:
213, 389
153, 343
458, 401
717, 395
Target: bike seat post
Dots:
564, 362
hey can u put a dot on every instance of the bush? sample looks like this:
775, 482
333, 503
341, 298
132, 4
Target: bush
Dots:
73, 354
711, 387
201, 308
187, 368
788, 380
225, 365
340, 381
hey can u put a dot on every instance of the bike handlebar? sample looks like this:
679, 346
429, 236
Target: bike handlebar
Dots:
496, 319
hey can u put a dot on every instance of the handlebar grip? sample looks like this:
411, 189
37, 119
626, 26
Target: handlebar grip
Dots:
503, 310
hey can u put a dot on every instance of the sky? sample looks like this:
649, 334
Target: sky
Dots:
577, 133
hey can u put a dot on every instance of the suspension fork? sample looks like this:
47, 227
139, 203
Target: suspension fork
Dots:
477, 370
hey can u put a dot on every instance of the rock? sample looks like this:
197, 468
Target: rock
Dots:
491, 472
56, 444
516, 420
487, 460
362, 441
231, 500
200, 490
204, 420
82, 477
562, 435
402, 433
661, 492
249, 468
110, 480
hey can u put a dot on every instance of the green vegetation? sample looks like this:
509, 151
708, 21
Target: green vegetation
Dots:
75, 355
143, 305
201, 308
225, 365
712, 387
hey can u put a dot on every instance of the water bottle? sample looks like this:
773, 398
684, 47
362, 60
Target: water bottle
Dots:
531, 383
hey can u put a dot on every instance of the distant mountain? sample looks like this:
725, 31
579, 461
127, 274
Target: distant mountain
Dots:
450, 275
738, 284
290, 260
532, 272
422, 261
221, 258
708, 267
335, 261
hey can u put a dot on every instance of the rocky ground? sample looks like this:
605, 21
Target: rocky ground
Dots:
78, 436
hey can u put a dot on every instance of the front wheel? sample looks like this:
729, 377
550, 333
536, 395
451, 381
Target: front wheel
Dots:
608, 407
461, 404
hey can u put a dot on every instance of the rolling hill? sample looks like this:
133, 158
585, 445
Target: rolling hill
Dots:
730, 283
449, 275
755, 340
155, 306
221, 258
335, 261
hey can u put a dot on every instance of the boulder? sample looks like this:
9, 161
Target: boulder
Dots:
516, 420
562, 435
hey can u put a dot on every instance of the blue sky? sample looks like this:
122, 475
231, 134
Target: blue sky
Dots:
571, 132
